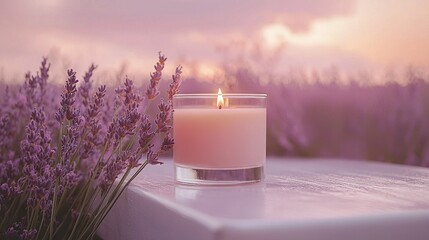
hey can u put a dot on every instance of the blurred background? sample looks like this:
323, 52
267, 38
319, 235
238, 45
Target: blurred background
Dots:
346, 79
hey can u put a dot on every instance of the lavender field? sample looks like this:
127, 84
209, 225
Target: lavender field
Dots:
319, 116
323, 117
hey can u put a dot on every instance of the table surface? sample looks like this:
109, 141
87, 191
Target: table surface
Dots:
299, 199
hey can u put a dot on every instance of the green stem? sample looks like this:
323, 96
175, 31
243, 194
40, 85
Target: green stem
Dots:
75, 154
59, 228
70, 206
34, 218
12, 206
59, 145
40, 226
117, 197
53, 212
16, 214
112, 196
83, 206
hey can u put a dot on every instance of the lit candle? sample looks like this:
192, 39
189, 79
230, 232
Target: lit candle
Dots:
219, 139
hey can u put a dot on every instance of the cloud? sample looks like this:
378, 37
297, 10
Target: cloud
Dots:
207, 33
163, 17
109, 32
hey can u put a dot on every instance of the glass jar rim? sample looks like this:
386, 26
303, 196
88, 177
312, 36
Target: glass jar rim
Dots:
214, 95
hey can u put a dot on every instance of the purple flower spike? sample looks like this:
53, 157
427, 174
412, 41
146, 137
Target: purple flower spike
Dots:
133, 161
127, 122
44, 73
113, 168
152, 90
175, 85
164, 116
4, 132
96, 103
167, 143
68, 98
85, 87
28, 234
44, 69
93, 127
152, 158
127, 96
146, 135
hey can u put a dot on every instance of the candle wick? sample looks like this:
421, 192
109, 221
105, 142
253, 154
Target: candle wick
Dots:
220, 106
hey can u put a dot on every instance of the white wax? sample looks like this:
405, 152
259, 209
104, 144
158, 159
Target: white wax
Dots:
220, 138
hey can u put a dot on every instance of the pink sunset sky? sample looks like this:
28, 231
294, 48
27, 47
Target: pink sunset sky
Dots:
204, 36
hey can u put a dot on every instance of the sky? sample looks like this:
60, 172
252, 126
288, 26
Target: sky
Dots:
208, 36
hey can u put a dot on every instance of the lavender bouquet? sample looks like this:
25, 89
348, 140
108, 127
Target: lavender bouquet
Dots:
59, 163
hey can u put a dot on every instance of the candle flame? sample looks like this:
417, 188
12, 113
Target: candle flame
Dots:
220, 102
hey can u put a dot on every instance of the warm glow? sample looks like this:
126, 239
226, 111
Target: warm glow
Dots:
207, 70
276, 35
355, 36
220, 102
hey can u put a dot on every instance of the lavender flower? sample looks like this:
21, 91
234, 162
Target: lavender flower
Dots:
5, 101
35, 86
93, 128
133, 160
68, 99
126, 123
167, 143
127, 96
30, 89
163, 119
35, 146
37, 157
9, 170
44, 73
113, 169
28, 234
60, 172
146, 135
152, 157
85, 87
18, 231
4, 133
152, 90
8, 192
70, 179
97, 102
175, 84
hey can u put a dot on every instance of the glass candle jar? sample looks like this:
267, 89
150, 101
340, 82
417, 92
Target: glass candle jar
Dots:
219, 138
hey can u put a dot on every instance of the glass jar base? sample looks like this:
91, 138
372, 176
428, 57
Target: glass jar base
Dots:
199, 176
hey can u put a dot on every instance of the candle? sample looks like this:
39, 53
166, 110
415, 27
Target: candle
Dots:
219, 139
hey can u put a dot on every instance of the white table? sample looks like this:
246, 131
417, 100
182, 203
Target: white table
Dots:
299, 199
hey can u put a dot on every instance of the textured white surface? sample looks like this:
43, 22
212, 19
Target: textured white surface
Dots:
299, 199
